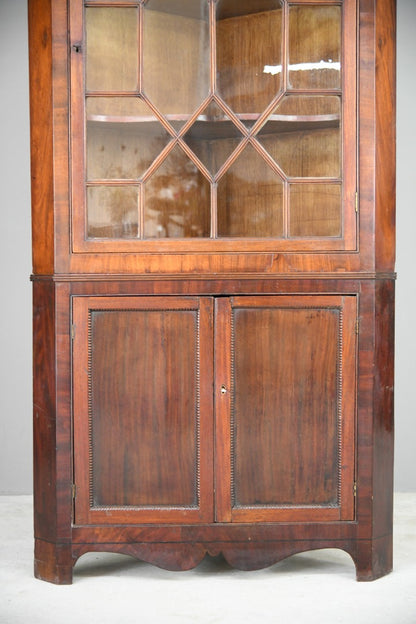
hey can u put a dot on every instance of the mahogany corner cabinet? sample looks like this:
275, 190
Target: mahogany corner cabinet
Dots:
213, 191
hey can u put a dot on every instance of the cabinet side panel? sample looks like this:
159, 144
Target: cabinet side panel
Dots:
44, 416
383, 410
41, 114
386, 134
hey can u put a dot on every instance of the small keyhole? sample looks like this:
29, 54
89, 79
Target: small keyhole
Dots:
223, 389
76, 48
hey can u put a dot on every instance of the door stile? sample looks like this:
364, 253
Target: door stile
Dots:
222, 406
206, 408
348, 407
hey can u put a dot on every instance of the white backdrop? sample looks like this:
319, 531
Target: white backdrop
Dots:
15, 254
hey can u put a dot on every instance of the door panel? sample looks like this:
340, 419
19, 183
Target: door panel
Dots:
287, 411
284, 401
142, 423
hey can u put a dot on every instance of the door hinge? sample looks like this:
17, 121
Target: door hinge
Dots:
74, 491
357, 326
355, 488
72, 332
356, 201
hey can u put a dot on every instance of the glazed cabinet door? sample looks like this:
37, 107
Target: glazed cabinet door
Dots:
213, 125
285, 387
143, 438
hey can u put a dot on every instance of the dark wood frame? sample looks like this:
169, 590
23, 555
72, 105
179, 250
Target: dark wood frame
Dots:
58, 274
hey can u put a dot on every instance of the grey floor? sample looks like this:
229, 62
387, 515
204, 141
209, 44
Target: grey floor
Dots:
108, 588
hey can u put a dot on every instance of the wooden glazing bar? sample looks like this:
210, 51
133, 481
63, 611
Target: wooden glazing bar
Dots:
264, 153
113, 182
286, 201
230, 161
195, 159
213, 46
214, 210
285, 51
233, 116
110, 3
140, 20
140, 209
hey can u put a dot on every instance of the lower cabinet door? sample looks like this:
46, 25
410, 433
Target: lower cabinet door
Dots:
143, 426
158, 438
285, 418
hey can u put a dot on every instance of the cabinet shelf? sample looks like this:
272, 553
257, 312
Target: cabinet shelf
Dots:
208, 129
225, 10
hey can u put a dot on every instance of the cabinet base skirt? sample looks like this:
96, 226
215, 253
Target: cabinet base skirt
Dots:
372, 558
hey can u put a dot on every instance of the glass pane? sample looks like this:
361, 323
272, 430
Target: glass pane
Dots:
213, 137
303, 135
249, 56
315, 209
112, 44
123, 138
250, 198
177, 200
112, 211
315, 47
176, 59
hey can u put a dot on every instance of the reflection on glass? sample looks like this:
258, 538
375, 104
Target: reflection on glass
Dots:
123, 138
249, 55
177, 200
112, 40
315, 209
303, 136
176, 56
315, 47
112, 211
250, 198
213, 137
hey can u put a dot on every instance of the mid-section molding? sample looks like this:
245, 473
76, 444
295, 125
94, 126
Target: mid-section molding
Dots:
126, 277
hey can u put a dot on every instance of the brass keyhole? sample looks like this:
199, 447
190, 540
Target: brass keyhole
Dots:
223, 389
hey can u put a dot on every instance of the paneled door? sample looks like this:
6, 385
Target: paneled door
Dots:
158, 438
143, 426
285, 381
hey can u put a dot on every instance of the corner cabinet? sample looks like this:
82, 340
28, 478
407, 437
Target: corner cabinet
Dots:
213, 275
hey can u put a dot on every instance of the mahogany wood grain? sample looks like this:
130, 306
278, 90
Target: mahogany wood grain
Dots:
194, 287
44, 416
52, 431
273, 361
348, 535
41, 137
142, 419
154, 220
285, 404
385, 199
